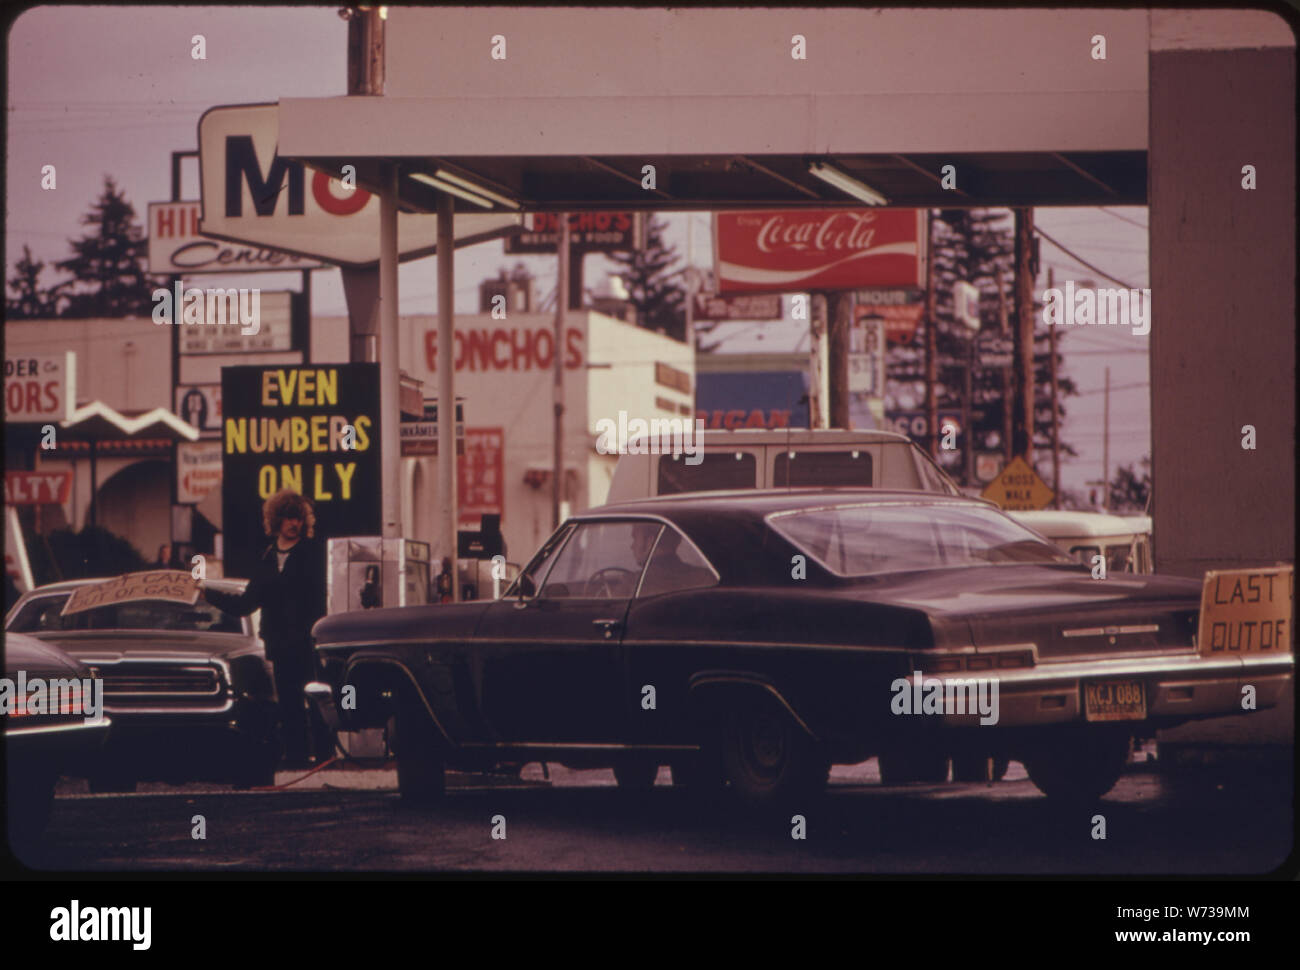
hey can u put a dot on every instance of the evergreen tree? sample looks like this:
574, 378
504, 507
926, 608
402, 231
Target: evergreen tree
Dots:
30, 301
109, 278
1129, 490
657, 293
971, 245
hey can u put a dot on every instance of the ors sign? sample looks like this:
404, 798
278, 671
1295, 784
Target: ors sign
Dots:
252, 195
40, 387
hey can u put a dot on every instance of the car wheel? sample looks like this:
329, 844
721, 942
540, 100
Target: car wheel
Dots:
421, 778
1078, 766
967, 767
110, 781
636, 775
31, 804
901, 767
768, 759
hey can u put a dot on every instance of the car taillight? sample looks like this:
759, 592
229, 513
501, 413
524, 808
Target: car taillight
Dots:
953, 663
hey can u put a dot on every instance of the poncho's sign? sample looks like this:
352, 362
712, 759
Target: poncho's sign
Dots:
310, 428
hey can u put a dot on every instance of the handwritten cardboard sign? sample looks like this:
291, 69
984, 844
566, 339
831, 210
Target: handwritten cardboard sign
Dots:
1246, 611
173, 585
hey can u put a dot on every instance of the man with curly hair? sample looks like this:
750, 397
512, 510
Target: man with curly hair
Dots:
288, 585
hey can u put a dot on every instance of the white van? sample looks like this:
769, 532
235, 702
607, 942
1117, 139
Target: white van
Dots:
1125, 540
782, 458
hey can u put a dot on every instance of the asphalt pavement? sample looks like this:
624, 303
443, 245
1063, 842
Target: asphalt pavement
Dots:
1219, 820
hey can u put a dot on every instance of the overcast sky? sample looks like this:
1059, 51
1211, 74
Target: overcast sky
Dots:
100, 91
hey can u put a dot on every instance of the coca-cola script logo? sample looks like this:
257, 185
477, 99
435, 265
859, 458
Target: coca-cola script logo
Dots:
826, 249
837, 231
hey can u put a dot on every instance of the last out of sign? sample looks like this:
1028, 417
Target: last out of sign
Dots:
1246, 610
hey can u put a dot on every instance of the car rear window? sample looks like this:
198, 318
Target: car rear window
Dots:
717, 470
863, 539
793, 469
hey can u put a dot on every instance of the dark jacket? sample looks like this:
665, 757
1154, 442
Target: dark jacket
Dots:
291, 601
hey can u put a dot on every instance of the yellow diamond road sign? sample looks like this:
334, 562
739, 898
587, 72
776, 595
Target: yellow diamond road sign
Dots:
1019, 488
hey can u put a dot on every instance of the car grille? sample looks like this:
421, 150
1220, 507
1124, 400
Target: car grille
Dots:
130, 685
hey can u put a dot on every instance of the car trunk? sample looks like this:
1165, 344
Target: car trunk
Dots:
1062, 609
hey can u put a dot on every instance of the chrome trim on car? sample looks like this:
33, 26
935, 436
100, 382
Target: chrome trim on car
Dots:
1111, 631
568, 641
580, 745
13, 730
746, 681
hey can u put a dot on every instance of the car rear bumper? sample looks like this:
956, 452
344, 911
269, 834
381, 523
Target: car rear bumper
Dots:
1176, 688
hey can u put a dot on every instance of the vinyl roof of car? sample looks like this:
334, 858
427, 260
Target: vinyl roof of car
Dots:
762, 501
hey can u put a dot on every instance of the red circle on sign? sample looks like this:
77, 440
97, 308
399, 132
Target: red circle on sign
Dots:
331, 203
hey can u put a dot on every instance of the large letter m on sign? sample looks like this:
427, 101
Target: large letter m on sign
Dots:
241, 163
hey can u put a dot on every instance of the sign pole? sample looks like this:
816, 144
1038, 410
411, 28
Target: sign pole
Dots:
389, 442
561, 298
446, 389
931, 351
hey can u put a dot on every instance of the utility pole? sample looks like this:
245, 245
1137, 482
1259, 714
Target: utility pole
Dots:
931, 374
561, 298
1105, 448
1007, 403
1023, 414
818, 390
1056, 424
968, 409
838, 310
447, 498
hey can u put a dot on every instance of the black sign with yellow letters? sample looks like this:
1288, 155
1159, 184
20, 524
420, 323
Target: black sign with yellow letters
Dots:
311, 428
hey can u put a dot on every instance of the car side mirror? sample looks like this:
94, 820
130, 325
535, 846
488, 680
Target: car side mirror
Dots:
527, 589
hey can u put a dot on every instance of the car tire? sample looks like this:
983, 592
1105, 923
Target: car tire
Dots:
1078, 766
902, 767
975, 768
421, 776
636, 776
768, 759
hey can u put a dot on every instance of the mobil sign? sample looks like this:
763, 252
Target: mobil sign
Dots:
781, 251
252, 195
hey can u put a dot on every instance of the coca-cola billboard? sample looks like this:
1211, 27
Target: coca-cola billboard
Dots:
782, 251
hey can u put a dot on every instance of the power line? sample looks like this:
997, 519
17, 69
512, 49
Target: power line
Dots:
1114, 388
1112, 212
1083, 262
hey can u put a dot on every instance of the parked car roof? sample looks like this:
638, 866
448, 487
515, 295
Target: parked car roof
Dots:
1064, 523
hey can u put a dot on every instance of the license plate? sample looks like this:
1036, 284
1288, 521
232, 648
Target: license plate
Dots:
1114, 700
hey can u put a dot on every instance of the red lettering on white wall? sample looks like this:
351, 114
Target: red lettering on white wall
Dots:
502, 350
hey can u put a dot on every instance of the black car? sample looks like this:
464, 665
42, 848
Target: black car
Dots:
753, 639
59, 734
188, 686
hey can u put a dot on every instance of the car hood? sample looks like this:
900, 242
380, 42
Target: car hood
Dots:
109, 645
39, 659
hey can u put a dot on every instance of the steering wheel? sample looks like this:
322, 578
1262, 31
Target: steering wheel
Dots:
599, 584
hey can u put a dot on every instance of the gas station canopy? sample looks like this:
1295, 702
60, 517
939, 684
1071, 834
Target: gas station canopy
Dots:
562, 109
